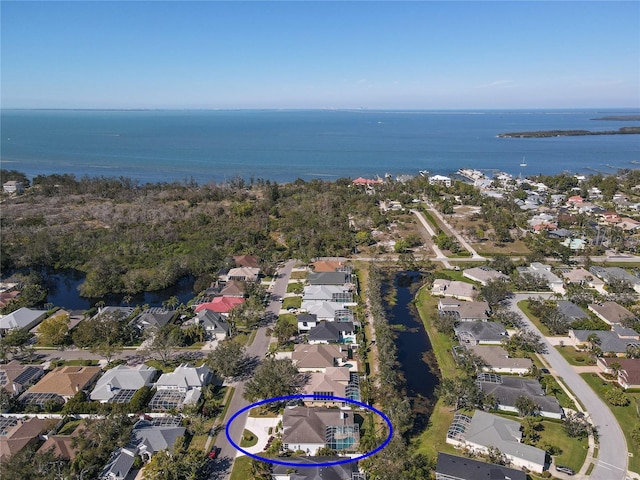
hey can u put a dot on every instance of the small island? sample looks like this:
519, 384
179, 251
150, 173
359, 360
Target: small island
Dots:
620, 118
569, 133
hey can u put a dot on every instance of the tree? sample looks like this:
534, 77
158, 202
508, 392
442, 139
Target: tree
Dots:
284, 330
462, 392
495, 291
164, 342
273, 378
249, 313
576, 425
616, 396
530, 427
227, 359
526, 406
14, 342
525, 340
508, 318
54, 331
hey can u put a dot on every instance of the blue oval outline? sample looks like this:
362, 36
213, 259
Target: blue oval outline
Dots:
324, 397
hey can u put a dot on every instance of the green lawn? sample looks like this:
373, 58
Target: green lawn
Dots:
574, 357
298, 275
295, 287
69, 427
295, 302
574, 452
241, 468
627, 417
248, 439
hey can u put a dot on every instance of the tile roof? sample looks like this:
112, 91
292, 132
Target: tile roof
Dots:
66, 381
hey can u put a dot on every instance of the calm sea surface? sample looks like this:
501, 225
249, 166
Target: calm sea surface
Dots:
166, 146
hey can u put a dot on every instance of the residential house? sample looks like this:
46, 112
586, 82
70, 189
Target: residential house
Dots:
554, 282
506, 390
329, 278
440, 180
215, 324
583, 277
628, 371
308, 429
571, 311
483, 275
484, 430
15, 434
317, 358
464, 311
13, 186
453, 288
61, 446
330, 311
328, 266
613, 274
329, 293
610, 312
453, 467
60, 384
147, 438
243, 274
118, 384
367, 181
306, 321
117, 311
7, 297
332, 332
614, 341
234, 288
24, 318
153, 318
318, 470
480, 333
333, 382
15, 377
181, 387
222, 305
250, 261
497, 360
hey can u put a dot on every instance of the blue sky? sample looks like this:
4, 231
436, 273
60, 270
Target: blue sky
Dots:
395, 55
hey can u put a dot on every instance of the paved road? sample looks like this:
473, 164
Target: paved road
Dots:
258, 349
611, 463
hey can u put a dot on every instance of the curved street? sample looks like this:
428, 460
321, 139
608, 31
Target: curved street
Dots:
611, 463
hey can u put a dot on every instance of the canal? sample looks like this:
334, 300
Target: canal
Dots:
414, 348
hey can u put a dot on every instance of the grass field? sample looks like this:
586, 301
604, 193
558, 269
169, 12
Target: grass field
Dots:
574, 452
627, 417
241, 468
574, 357
294, 302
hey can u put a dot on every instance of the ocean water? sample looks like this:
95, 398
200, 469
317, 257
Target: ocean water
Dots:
167, 146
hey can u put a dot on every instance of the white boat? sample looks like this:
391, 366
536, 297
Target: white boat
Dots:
523, 163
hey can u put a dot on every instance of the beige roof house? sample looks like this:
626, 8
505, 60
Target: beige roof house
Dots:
309, 358
453, 288
483, 274
610, 312
498, 360
583, 277
16, 377
21, 433
66, 381
333, 382
245, 274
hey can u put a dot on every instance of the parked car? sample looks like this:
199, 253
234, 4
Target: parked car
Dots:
214, 452
567, 470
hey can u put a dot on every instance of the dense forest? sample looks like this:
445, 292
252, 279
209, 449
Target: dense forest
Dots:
130, 238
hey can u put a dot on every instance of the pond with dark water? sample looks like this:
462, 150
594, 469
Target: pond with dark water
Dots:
63, 292
414, 347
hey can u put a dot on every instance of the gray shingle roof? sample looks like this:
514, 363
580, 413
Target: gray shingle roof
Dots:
511, 388
464, 468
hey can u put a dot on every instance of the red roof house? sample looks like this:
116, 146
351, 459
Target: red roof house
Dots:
220, 304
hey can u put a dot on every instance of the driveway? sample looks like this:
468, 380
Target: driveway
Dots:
611, 463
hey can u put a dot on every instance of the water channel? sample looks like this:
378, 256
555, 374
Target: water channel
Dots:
414, 347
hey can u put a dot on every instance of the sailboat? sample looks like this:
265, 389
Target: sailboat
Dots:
523, 163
